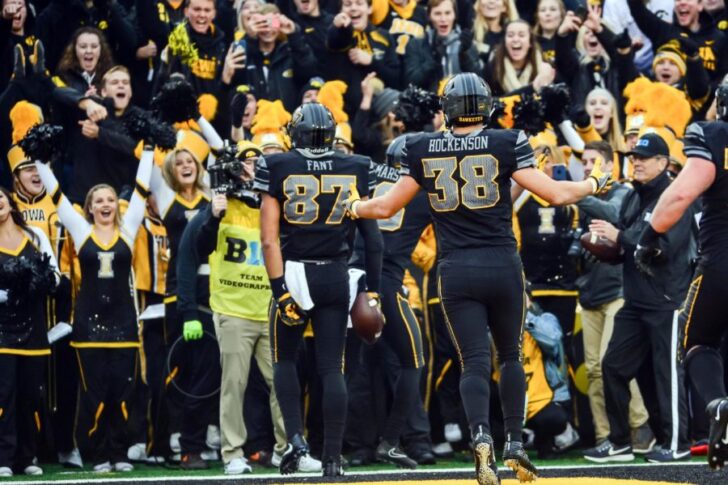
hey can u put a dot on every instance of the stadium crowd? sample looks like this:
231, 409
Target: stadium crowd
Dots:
159, 348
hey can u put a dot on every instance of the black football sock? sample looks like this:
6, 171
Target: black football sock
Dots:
513, 398
704, 366
288, 392
334, 410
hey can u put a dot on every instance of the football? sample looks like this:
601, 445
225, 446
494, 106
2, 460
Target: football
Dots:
602, 248
367, 318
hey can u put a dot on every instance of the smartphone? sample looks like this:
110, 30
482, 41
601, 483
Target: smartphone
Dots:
240, 45
558, 172
581, 12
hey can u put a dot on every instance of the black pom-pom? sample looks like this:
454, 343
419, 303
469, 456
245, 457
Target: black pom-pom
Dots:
176, 101
43, 142
141, 126
498, 111
528, 115
556, 100
416, 108
27, 277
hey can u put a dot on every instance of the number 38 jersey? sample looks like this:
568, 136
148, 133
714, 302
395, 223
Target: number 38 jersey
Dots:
311, 189
467, 179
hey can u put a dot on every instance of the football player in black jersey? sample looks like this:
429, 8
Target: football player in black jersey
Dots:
466, 172
302, 202
400, 233
704, 324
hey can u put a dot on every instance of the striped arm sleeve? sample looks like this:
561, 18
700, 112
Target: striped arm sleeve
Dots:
695, 144
262, 176
524, 152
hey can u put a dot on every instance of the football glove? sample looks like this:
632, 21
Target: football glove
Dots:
375, 297
192, 330
351, 201
648, 253
291, 314
598, 178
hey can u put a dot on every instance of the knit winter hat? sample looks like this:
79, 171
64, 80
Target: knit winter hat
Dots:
671, 51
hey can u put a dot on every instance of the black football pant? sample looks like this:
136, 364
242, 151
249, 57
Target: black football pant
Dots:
199, 363
328, 285
108, 377
484, 290
645, 337
402, 335
704, 323
444, 372
22, 391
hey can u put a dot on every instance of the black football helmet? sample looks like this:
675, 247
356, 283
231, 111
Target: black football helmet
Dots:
395, 151
721, 101
466, 100
312, 127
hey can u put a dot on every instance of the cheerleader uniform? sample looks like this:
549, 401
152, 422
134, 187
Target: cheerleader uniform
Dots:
23, 350
105, 335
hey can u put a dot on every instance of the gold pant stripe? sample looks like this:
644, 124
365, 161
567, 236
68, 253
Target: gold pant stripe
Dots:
99, 410
692, 298
402, 305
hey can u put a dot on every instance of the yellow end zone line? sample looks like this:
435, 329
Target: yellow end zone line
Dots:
174, 477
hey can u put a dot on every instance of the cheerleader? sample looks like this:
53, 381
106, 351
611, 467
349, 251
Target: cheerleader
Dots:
105, 334
23, 341
180, 192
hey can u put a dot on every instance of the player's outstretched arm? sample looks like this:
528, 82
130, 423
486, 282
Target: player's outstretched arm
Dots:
385, 206
270, 213
694, 179
561, 192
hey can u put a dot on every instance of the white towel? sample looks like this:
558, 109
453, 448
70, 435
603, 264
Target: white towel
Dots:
354, 276
297, 284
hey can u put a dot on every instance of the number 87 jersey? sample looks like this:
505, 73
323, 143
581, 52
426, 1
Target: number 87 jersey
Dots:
467, 179
311, 189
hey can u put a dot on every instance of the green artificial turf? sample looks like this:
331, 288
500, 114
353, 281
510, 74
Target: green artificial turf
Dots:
460, 460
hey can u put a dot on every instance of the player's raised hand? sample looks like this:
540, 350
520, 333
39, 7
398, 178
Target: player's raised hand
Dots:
598, 177
351, 201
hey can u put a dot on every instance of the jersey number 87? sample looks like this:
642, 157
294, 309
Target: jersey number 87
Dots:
301, 205
479, 191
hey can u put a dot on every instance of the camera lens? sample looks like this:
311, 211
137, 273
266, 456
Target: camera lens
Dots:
234, 169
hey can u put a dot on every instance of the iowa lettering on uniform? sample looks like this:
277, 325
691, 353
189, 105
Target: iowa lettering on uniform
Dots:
708, 56
204, 68
402, 26
34, 215
235, 251
466, 143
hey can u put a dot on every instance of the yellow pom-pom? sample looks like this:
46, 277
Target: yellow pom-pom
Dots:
331, 95
180, 45
24, 116
207, 103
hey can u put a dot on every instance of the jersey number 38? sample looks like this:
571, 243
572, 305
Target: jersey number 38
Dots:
478, 189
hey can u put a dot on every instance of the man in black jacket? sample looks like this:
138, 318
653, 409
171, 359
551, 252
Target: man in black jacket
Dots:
601, 297
99, 147
646, 326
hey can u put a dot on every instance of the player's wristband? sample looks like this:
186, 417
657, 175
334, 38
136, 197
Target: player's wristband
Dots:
278, 286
